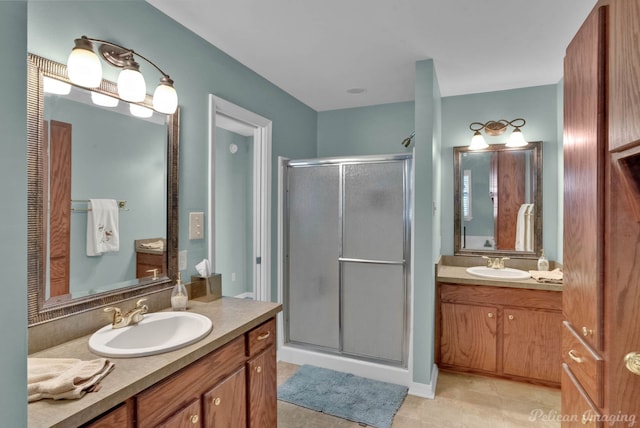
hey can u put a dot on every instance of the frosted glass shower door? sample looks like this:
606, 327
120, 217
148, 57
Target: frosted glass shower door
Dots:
313, 242
373, 268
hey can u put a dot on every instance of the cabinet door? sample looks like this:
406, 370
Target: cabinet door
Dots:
577, 408
532, 344
584, 154
225, 405
468, 337
187, 417
263, 406
118, 417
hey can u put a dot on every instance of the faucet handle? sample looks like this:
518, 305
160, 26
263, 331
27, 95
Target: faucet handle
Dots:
117, 314
139, 302
154, 272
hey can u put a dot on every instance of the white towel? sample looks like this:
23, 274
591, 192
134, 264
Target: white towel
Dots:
521, 226
102, 227
64, 378
528, 231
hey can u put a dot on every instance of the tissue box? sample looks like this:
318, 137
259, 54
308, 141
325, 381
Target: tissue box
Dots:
206, 289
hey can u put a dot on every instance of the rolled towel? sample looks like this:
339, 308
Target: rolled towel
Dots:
550, 277
64, 378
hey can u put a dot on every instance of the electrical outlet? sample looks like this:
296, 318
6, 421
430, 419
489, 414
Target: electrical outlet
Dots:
233, 276
196, 225
182, 260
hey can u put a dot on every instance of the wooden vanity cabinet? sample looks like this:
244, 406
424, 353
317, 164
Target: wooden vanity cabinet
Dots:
233, 387
119, 417
508, 332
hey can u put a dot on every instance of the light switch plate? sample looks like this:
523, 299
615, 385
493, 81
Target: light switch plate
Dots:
196, 225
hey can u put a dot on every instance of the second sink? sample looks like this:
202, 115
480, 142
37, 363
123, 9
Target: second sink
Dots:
501, 274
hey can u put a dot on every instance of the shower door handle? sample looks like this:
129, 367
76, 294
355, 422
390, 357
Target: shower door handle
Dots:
377, 262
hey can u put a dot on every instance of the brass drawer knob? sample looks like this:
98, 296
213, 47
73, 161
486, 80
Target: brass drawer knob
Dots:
258, 369
216, 401
490, 314
511, 317
586, 332
632, 362
194, 419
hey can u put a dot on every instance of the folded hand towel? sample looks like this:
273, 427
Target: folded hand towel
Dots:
102, 227
550, 277
64, 378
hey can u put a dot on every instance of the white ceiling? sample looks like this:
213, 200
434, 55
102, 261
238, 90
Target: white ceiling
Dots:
318, 49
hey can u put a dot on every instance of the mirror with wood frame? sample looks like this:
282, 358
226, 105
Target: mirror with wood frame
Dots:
79, 151
498, 201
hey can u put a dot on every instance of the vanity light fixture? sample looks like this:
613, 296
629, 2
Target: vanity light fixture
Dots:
85, 69
493, 128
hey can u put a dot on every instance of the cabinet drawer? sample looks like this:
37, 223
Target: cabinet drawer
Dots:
585, 364
503, 296
261, 337
159, 402
118, 417
577, 408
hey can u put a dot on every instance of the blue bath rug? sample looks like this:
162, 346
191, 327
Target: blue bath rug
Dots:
355, 398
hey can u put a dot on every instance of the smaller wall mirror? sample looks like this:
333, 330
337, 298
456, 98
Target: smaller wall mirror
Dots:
87, 144
498, 201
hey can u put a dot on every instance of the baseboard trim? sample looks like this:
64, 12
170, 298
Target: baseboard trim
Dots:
426, 390
247, 295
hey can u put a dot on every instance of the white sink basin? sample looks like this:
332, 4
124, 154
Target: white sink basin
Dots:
508, 274
158, 332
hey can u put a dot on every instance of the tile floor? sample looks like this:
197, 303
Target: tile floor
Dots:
462, 401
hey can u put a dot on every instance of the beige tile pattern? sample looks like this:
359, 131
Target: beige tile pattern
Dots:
462, 401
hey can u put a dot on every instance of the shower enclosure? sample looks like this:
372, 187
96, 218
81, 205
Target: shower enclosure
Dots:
347, 256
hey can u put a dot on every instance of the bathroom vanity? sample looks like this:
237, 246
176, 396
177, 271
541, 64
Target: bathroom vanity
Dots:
230, 375
499, 328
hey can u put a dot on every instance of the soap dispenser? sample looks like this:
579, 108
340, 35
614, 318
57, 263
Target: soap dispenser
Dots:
543, 263
179, 296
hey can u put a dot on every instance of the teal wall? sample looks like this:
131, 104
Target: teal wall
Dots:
234, 212
198, 69
370, 130
538, 106
13, 227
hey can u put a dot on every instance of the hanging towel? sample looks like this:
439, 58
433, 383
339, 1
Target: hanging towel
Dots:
521, 226
102, 227
64, 378
528, 230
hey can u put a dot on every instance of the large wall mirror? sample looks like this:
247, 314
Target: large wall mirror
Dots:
498, 201
87, 145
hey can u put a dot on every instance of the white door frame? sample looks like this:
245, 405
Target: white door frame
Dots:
261, 190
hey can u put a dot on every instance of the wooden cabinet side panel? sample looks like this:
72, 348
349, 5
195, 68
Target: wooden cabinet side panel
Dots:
624, 74
532, 344
584, 143
468, 336
262, 380
510, 196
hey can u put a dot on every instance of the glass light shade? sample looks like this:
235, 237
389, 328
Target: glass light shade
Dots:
477, 142
140, 111
103, 100
516, 139
84, 68
131, 85
165, 99
54, 86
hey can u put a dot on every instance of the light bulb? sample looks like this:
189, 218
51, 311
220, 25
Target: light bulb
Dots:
140, 111
165, 97
103, 100
54, 86
516, 139
477, 142
131, 85
83, 65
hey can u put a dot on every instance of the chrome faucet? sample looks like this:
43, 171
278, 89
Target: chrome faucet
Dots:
134, 316
495, 262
